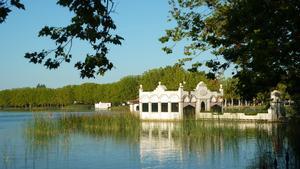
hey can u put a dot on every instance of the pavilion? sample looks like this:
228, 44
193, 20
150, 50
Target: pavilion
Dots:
162, 104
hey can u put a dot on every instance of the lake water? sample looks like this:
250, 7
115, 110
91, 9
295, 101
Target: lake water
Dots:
154, 145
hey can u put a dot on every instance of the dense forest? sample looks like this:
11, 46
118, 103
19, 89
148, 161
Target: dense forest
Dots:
89, 93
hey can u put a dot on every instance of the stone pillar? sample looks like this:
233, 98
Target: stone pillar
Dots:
276, 105
197, 109
225, 103
159, 107
141, 107
207, 105
150, 107
169, 107
180, 109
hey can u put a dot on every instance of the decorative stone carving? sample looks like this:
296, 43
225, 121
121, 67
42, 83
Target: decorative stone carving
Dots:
202, 92
213, 99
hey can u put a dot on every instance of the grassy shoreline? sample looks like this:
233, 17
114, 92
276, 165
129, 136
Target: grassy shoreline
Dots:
69, 108
51, 108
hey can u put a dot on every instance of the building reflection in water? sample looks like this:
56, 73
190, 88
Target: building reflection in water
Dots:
157, 143
203, 144
193, 144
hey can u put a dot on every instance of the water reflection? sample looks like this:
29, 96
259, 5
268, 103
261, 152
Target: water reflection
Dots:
205, 144
185, 145
188, 144
157, 146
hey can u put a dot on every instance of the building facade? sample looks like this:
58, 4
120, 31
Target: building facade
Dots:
162, 104
134, 105
101, 105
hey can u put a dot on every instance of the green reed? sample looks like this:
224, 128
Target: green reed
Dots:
121, 124
101, 124
129, 126
194, 135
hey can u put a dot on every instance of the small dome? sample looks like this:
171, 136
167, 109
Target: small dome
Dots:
201, 85
160, 87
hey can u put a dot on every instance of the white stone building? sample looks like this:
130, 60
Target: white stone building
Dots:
162, 104
134, 105
101, 105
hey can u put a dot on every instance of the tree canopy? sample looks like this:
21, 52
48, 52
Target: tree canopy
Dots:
171, 76
230, 89
261, 38
6, 8
91, 23
89, 93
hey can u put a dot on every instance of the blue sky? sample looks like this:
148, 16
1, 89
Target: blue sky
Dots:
140, 22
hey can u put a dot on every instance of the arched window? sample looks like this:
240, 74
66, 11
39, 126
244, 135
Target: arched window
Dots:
202, 107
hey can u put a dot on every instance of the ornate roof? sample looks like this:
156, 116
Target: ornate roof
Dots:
160, 87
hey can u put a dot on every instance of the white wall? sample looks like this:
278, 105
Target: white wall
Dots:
133, 107
160, 116
101, 105
235, 116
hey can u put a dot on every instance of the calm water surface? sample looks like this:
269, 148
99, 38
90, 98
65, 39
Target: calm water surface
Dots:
156, 145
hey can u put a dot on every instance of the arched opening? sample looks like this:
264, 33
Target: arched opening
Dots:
189, 112
216, 108
202, 107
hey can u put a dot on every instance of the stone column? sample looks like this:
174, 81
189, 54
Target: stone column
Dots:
200, 105
180, 109
150, 107
197, 109
169, 107
159, 107
207, 105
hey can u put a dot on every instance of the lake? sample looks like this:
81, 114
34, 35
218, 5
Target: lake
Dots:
197, 144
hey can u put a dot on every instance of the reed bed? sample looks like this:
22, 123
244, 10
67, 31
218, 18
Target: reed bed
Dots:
44, 128
129, 126
203, 130
194, 135
125, 124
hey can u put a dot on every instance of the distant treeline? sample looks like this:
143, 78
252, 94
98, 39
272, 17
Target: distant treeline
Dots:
89, 93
